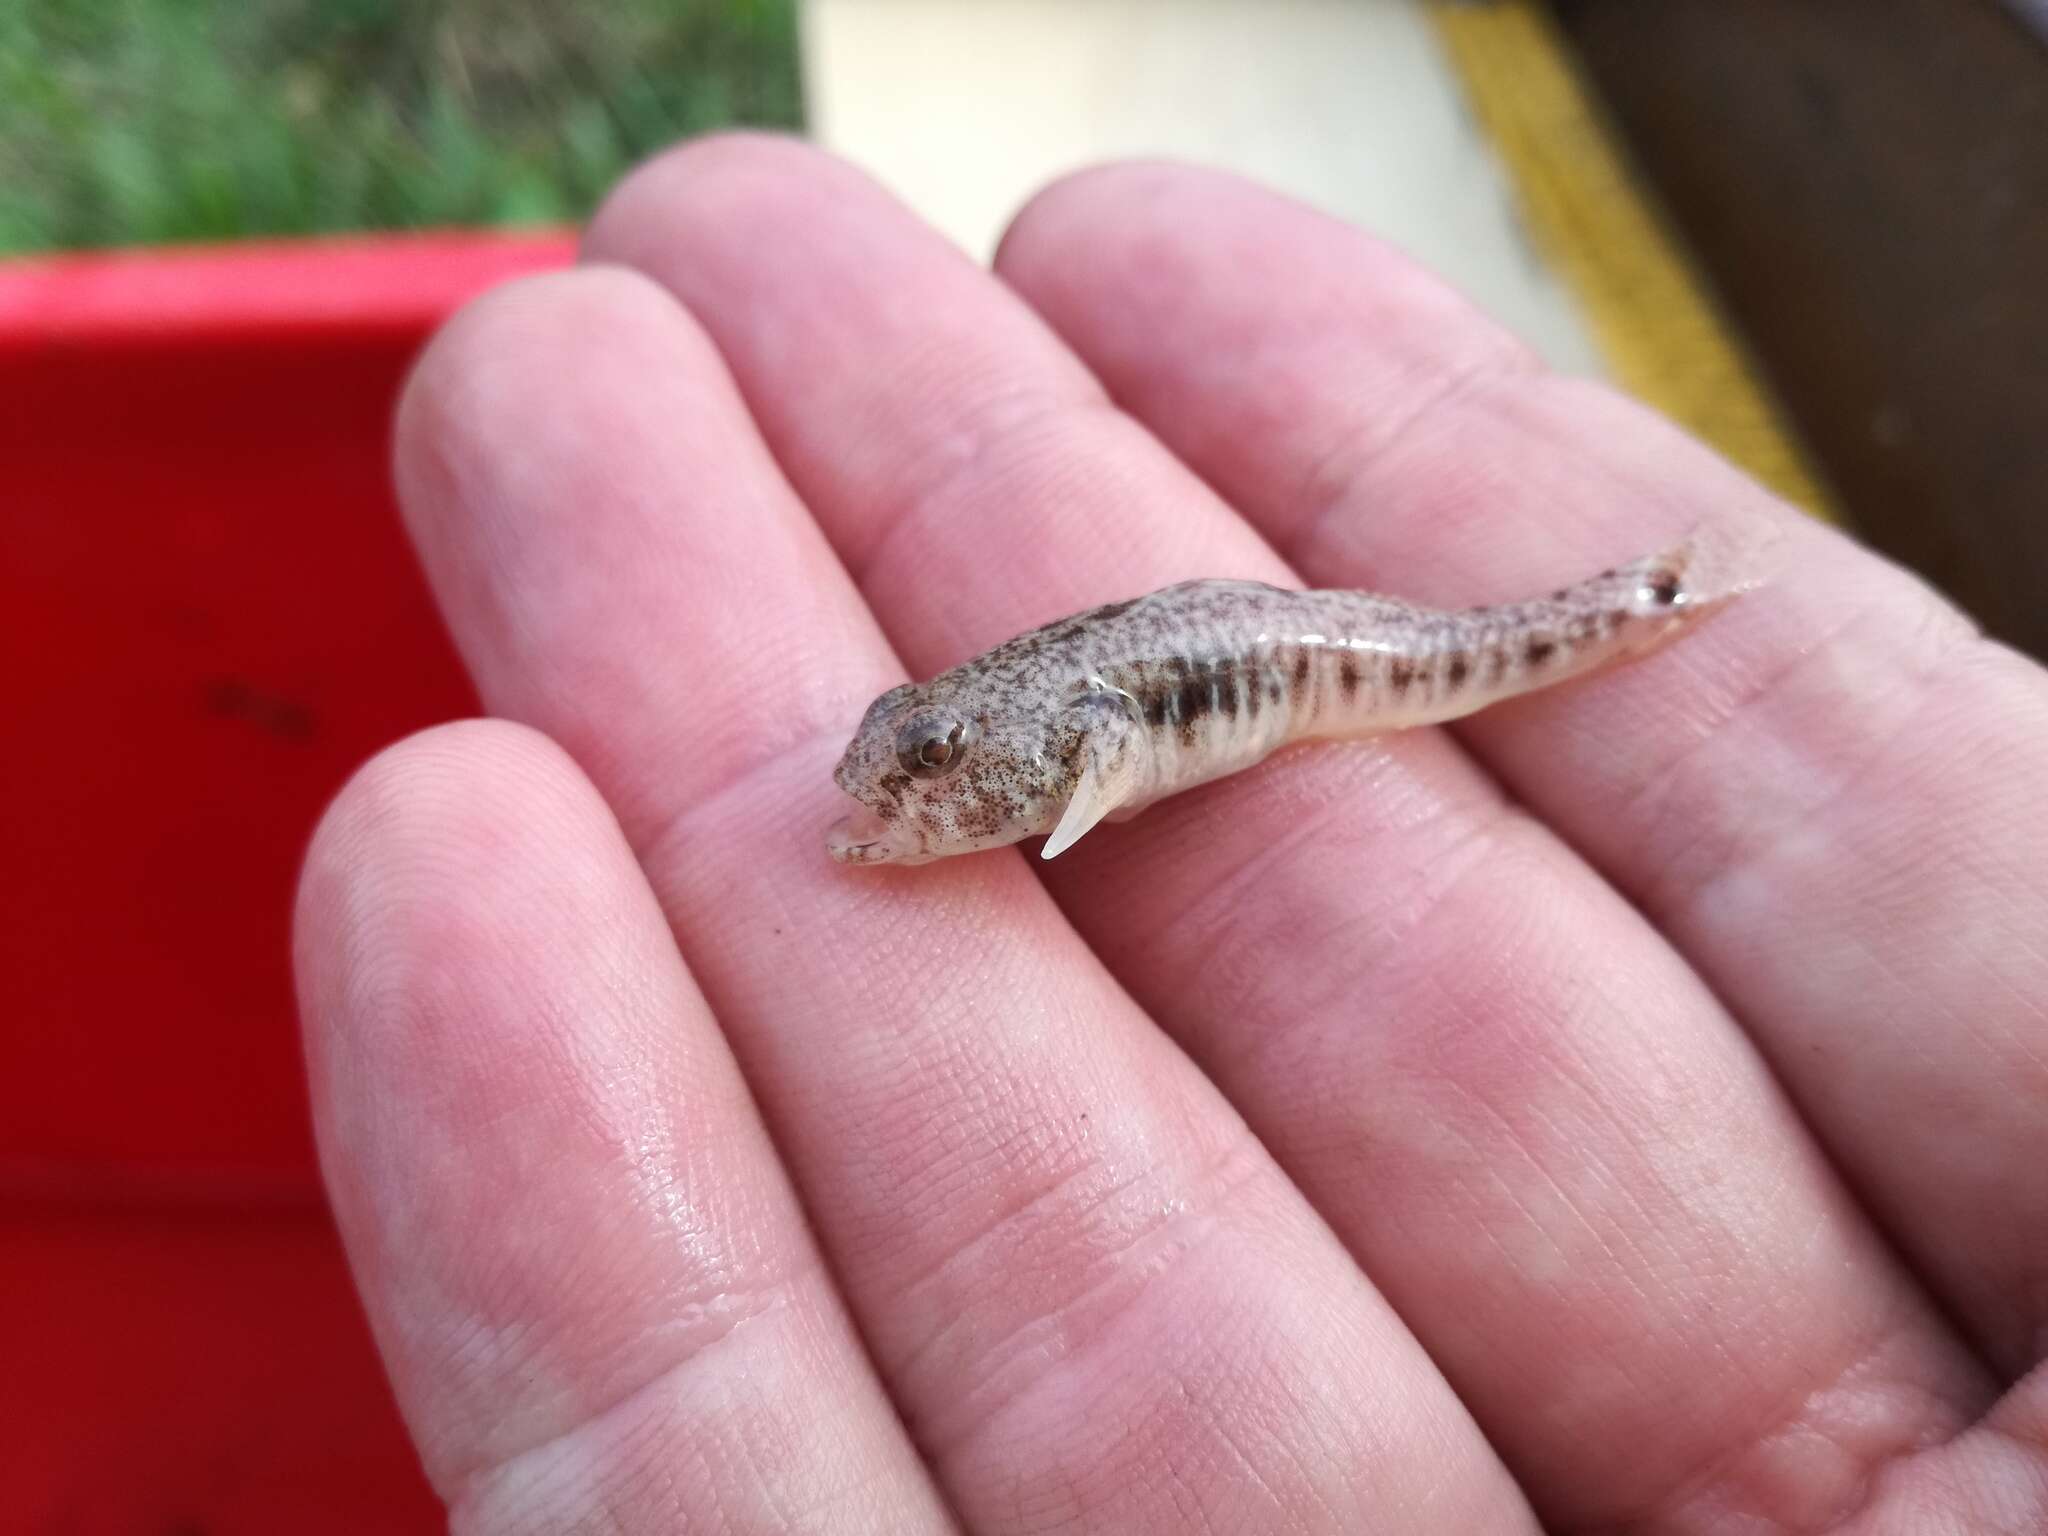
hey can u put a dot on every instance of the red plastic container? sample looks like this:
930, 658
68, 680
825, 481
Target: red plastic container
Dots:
208, 617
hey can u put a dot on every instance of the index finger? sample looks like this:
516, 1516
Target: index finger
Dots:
1830, 797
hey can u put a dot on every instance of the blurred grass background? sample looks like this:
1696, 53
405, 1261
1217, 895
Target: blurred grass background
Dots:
141, 121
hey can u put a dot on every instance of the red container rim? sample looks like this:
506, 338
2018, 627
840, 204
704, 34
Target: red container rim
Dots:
284, 288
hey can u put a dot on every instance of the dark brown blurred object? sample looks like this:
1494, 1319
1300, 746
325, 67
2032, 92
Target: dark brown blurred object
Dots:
1866, 183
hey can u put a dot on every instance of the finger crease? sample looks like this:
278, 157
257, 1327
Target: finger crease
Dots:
720, 1321
1327, 489
933, 479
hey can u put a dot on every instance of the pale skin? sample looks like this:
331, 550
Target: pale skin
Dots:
1622, 1110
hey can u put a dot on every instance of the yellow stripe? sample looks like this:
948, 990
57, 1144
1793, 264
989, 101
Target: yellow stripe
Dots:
1647, 309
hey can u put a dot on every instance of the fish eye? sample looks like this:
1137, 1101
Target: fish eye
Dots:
928, 748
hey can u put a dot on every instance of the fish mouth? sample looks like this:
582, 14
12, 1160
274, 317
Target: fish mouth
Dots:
863, 837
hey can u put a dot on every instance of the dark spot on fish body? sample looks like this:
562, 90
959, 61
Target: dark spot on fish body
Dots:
1401, 674
1298, 677
1663, 587
983, 819
1347, 675
1496, 663
1254, 691
1538, 652
1193, 702
1458, 668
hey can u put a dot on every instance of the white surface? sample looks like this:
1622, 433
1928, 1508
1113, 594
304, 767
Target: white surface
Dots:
965, 107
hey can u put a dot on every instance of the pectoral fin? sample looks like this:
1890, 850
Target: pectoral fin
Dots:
1109, 778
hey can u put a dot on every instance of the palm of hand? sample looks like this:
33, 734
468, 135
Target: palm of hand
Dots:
1365, 1142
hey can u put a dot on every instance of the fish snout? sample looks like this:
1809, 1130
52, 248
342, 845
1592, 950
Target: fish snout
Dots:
863, 837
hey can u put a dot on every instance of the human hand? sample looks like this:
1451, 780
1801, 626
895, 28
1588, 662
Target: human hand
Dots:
1625, 1111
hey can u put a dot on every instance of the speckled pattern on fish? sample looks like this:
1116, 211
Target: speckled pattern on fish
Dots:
1106, 712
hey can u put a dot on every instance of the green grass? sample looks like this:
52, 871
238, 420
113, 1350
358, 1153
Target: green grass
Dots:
138, 121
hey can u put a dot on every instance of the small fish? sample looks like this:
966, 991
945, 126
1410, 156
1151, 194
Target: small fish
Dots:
1102, 714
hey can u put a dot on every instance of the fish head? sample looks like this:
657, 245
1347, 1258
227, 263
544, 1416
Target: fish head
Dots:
950, 767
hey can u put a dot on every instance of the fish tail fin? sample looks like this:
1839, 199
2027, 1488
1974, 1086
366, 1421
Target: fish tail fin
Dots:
1714, 563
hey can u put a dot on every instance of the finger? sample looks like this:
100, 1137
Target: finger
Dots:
1044, 1220
587, 1272
1504, 1119
1995, 1478
1830, 797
